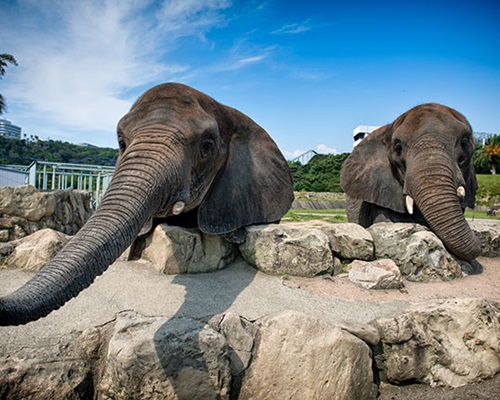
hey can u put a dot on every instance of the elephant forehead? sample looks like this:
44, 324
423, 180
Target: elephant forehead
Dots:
433, 118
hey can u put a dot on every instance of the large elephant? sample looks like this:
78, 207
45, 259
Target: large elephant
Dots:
417, 169
181, 154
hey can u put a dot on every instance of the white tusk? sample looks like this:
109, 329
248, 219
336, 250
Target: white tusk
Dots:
409, 204
461, 192
178, 207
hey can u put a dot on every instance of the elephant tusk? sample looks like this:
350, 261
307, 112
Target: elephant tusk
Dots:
461, 192
178, 207
409, 204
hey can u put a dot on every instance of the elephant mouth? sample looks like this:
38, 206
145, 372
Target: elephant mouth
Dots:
410, 202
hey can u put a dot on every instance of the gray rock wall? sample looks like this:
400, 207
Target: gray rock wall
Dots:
288, 355
24, 210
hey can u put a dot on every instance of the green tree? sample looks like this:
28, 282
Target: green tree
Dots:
320, 174
25, 151
5, 60
487, 157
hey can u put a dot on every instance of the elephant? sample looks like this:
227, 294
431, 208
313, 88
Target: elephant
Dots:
182, 156
417, 169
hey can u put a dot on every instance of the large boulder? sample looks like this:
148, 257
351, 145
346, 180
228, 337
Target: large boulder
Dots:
175, 250
419, 253
158, 358
300, 357
36, 250
442, 343
350, 241
26, 202
55, 368
488, 232
288, 249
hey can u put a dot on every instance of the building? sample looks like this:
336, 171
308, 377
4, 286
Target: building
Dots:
361, 131
12, 176
9, 130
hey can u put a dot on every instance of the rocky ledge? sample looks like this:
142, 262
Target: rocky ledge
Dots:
287, 354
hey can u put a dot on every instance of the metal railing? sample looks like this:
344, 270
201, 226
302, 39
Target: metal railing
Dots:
53, 176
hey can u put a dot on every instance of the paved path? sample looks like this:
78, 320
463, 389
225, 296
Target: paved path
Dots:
134, 286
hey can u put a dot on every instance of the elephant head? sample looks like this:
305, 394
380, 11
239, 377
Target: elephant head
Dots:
417, 169
181, 154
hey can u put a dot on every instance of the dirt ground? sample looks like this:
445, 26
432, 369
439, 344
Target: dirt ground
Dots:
483, 285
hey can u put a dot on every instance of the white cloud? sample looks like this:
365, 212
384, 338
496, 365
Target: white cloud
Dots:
293, 29
323, 149
290, 155
81, 63
320, 148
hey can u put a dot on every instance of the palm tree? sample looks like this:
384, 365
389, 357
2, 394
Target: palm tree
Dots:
5, 60
492, 152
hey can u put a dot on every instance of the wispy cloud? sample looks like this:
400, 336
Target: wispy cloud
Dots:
293, 29
81, 63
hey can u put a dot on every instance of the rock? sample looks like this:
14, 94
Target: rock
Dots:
26, 202
4, 235
442, 343
350, 241
24, 211
175, 250
53, 369
6, 249
379, 274
287, 249
158, 358
238, 333
366, 332
419, 253
299, 357
488, 232
36, 250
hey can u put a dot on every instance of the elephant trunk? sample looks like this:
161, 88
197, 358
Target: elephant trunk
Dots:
434, 189
134, 195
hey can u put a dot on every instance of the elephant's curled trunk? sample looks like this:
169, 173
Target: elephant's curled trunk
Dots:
435, 193
125, 208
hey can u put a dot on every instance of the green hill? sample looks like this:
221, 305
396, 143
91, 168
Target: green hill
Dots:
25, 151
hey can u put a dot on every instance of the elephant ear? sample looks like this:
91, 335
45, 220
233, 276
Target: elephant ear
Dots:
469, 175
367, 173
255, 185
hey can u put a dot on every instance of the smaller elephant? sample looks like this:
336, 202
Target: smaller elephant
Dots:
185, 158
417, 169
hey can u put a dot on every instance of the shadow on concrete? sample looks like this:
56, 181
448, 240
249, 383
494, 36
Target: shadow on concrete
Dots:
177, 341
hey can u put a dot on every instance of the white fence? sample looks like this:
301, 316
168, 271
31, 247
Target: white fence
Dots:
47, 176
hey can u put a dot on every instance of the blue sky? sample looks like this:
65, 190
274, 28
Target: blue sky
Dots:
308, 72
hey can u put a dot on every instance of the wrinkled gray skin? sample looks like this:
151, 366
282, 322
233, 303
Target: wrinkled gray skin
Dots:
425, 154
178, 147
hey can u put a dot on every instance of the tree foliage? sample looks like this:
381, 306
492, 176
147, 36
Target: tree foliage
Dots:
25, 151
5, 60
320, 174
487, 157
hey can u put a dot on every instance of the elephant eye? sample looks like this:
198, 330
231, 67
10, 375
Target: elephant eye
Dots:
207, 147
121, 143
465, 150
397, 146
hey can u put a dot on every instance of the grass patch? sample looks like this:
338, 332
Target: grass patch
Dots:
478, 214
488, 191
339, 216
301, 215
